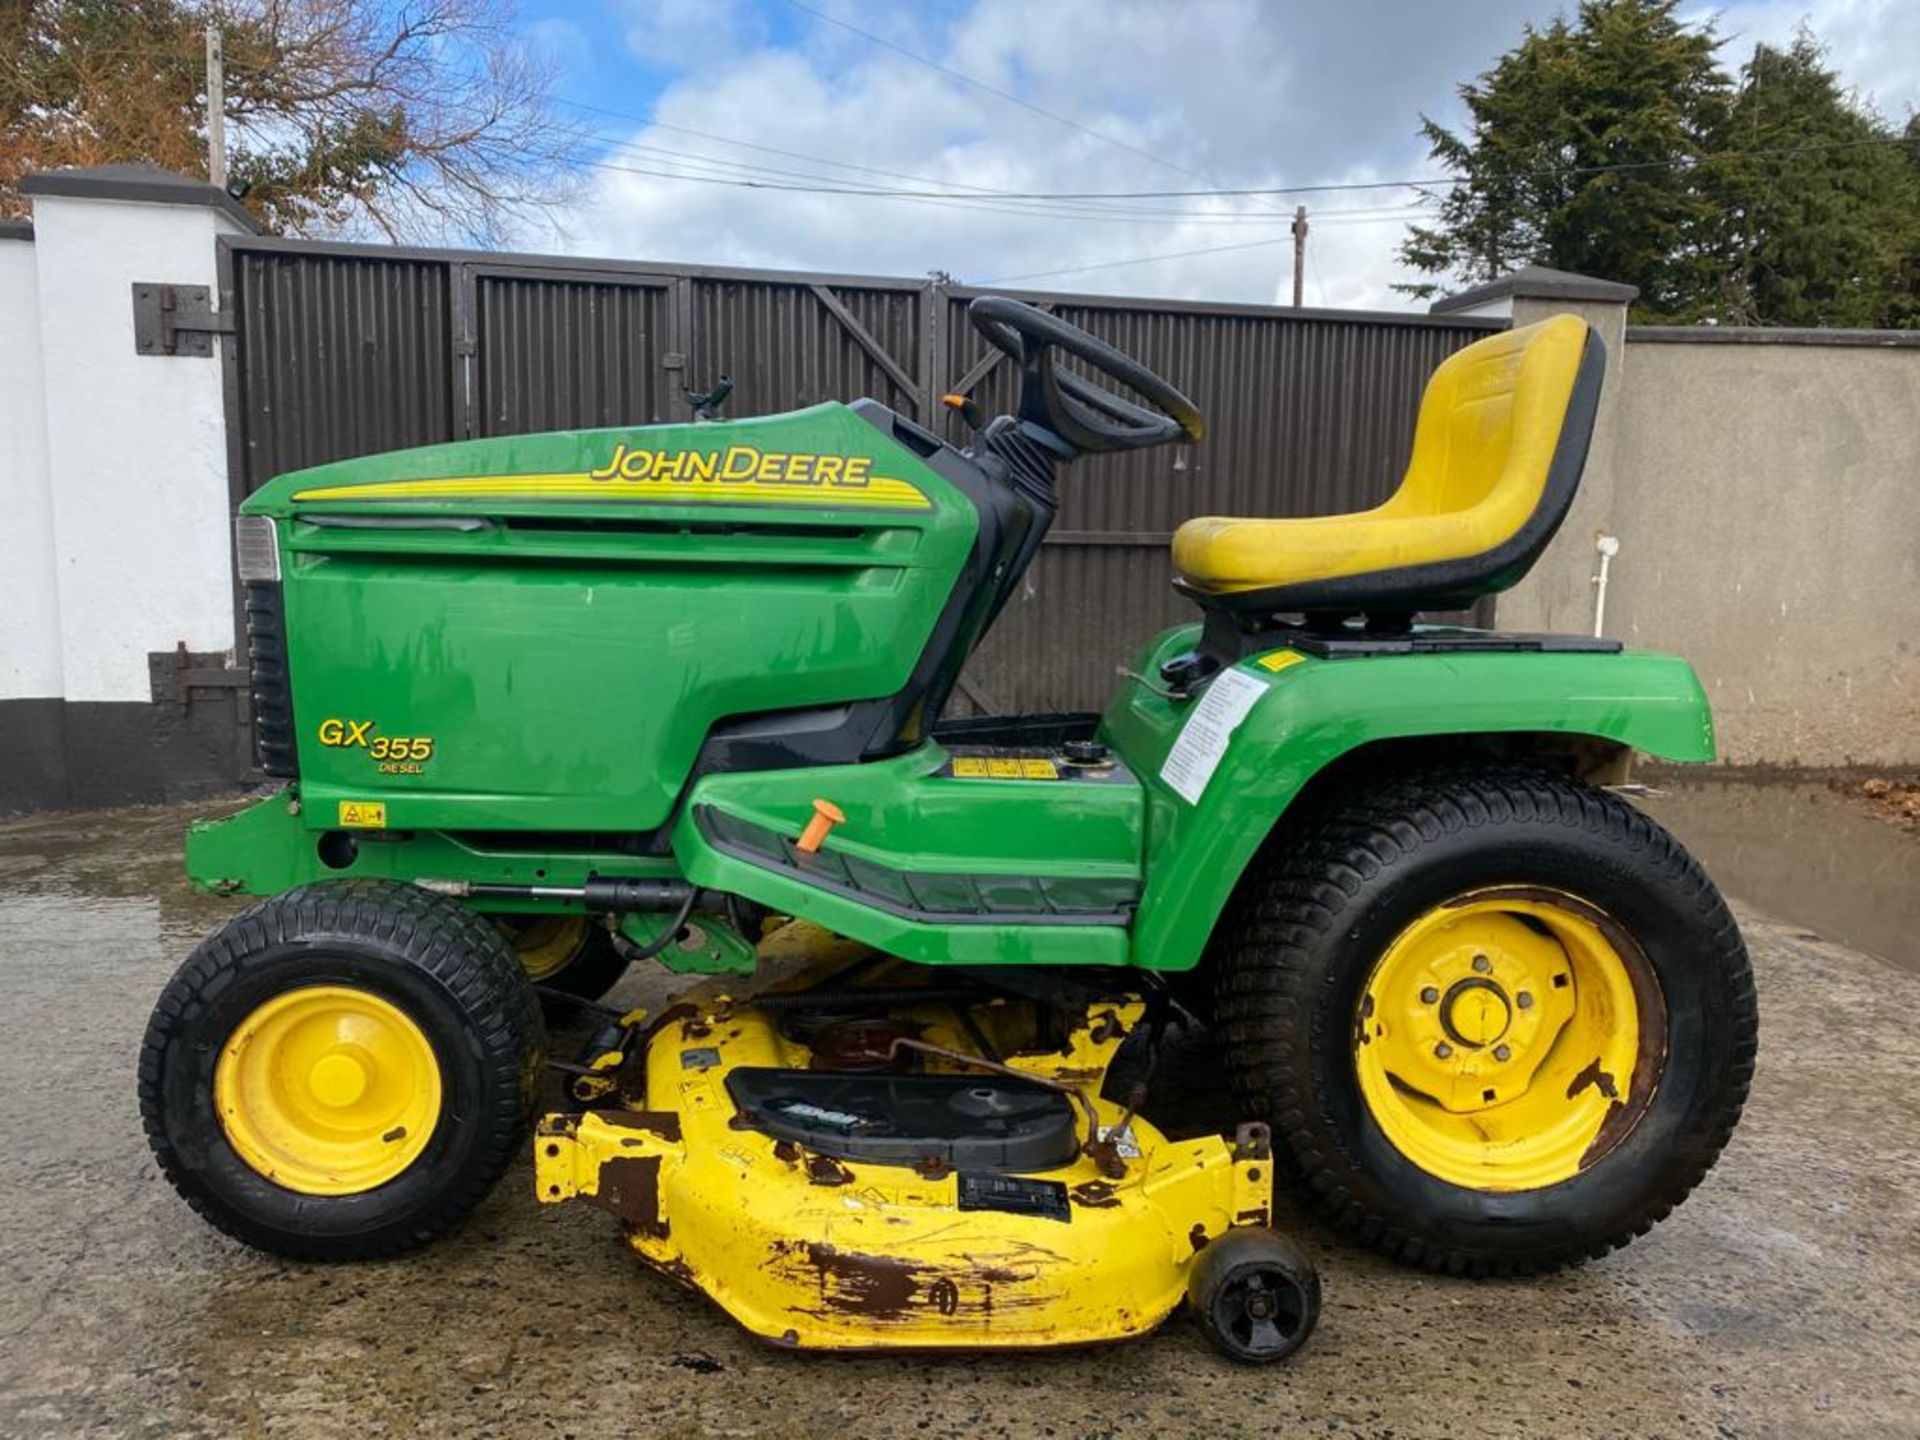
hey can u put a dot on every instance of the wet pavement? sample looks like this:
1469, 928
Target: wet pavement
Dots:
1782, 1300
1813, 853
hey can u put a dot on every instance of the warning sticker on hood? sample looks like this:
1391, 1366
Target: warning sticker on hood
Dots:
1203, 739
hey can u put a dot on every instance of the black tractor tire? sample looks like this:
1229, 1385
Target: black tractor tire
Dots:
1321, 905
444, 968
588, 967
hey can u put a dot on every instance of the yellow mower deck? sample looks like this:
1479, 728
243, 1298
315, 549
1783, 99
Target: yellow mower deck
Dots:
808, 1250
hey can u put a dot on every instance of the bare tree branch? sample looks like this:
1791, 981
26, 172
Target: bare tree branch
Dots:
423, 120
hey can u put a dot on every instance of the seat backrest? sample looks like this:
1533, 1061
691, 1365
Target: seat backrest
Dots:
1497, 453
1490, 424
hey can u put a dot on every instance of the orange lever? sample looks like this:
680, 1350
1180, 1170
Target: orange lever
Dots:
826, 815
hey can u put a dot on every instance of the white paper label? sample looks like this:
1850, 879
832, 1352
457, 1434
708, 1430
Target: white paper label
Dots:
1203, 739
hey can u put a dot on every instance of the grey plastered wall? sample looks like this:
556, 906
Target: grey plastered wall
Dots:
1766, 493
1764, 486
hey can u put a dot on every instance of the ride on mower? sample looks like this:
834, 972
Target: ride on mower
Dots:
549, 704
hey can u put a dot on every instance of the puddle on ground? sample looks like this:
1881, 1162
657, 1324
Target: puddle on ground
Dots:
1805, 854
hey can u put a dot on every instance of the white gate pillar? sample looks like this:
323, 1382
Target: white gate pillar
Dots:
135, 524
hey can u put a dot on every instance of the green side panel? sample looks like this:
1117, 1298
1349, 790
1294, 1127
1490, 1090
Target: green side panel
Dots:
910, 816
265, 849
268, 847
537, 632
1314, 711
260, 850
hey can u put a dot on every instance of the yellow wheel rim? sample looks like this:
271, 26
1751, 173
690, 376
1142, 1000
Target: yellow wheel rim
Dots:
328, 1090
545, 943
1509, 1039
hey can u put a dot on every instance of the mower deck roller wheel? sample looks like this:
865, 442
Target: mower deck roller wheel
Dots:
1255, 1297
1499, 1020
343, 1071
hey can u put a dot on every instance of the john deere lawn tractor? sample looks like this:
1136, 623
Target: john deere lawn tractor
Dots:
550, 704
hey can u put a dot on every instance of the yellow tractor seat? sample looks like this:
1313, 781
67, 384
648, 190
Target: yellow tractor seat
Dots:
1497, 453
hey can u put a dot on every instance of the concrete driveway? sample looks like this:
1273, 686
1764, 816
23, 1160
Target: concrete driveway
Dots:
1783, 1299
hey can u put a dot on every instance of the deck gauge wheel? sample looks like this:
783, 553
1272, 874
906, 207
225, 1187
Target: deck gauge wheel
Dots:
1254, 1297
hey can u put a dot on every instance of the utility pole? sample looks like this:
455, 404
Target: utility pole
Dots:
216, 109
1299, 253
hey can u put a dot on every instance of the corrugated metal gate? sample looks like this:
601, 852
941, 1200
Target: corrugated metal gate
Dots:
344, 350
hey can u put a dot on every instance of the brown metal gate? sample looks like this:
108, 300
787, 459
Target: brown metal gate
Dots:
344, 350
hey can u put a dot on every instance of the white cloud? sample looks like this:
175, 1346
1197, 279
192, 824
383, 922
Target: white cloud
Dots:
1874, 44
1199, 86
682, 34
1228, 92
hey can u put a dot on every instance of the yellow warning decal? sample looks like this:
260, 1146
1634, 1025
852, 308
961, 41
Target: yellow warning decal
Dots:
735, 474
363, 815
977, 767
1279, 660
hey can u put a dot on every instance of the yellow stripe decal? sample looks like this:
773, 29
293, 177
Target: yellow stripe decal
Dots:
724, 475
875, 492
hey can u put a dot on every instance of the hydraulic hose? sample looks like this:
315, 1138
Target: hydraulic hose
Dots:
659, 942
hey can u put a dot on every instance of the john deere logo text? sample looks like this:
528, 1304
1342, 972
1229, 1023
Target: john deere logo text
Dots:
736, 465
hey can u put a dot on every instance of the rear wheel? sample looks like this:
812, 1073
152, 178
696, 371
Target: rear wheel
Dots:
565, 953
342, 1071
1499, 1020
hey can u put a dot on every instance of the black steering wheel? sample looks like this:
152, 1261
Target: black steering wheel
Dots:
1088, 417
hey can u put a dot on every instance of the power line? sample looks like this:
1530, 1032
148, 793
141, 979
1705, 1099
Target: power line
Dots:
964, 188
1418, 185
723, 167
1286, 239
876, 192
1136, 260
1011, 98
731, 175
943, 70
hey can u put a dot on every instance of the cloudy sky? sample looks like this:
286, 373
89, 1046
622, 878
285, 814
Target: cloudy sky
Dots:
966, 98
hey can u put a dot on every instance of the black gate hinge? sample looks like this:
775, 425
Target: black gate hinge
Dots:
176, 319
175, 674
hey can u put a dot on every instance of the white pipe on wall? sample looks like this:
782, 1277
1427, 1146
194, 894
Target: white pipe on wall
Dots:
1608, 546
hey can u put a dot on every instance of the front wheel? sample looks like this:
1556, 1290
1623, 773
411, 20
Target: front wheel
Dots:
342, 1071
1499, 1020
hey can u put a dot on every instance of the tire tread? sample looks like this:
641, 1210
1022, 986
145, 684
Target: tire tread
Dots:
462, 952
1295, 897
